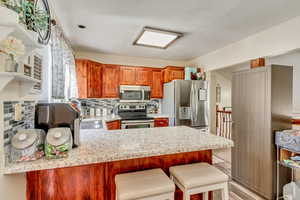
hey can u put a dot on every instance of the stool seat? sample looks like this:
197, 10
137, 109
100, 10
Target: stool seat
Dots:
198, 174
141, 184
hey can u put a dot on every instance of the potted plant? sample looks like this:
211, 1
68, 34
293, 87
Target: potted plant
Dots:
30, 16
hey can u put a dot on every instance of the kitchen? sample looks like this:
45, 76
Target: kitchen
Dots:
117, 100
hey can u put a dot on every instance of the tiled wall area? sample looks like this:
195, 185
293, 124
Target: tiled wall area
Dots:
109, 106
11, 126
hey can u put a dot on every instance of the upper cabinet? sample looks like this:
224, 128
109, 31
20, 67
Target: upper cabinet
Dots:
94, 80
144, 76
157, 84
81, 74
173, 73
89, 78
135, 75
110, 81
127, 75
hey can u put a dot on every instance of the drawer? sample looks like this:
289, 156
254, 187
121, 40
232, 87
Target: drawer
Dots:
161, 122
113, 125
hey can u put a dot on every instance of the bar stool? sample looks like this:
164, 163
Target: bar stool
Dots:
199, 178
151, 184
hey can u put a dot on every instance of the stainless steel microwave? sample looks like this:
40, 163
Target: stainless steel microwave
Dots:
132, 93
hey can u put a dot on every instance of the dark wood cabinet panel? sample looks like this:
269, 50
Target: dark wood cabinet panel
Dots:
161, 122
143, 76
94, 80
113, 125
110, 84
97, 181
173, 73
127, 75
81, 74
157, 84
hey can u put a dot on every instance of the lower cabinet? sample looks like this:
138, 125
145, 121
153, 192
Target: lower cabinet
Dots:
113, 125
161, 122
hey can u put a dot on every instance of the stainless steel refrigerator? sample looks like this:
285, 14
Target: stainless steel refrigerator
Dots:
185, 102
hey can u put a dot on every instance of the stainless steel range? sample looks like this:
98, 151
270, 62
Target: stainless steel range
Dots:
134, 115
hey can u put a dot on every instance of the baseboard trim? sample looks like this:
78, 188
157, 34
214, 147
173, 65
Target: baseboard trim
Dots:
243, 192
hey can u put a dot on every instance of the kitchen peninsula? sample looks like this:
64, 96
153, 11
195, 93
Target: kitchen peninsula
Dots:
90, 169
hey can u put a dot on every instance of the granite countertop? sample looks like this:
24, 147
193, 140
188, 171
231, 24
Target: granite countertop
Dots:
107, 118
105, 146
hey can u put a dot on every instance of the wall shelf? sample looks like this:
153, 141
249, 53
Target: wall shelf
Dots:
14, 79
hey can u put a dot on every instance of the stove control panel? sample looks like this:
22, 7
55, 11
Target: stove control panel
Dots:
133, 106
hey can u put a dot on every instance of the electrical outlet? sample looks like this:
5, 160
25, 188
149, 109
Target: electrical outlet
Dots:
18, 112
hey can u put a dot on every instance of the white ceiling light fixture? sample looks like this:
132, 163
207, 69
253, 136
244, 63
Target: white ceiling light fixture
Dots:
157, 38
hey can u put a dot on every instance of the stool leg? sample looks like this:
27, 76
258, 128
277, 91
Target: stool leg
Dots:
225, 192
186, 195
205, 195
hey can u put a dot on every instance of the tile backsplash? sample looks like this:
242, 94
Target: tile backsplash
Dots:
11, 126
109, 106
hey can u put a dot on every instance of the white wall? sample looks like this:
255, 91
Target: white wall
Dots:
225, 85
126, 60
289, 59
274, 41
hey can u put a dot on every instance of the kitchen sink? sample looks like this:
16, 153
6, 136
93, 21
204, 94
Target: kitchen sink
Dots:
91, 124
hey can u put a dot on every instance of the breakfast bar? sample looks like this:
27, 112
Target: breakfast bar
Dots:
90, 169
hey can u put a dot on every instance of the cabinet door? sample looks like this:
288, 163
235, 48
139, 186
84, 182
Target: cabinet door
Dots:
110, 77
127, 75
143, 76
161, 122
81, 74
94, 80
114, 125
173, 73
177, 74
157, 84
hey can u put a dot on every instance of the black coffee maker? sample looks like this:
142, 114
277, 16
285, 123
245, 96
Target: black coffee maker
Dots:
55, 115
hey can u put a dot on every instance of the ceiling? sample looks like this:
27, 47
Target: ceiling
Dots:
113, 25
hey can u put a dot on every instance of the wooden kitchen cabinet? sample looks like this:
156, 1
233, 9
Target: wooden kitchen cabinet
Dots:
110, 81
173, 73
94, 80
89, 78
113, 125
157, 84
81, 75
161, 122
127, 75
143, 76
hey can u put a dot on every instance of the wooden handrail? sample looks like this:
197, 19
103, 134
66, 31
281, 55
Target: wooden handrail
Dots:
223, 111
296, 121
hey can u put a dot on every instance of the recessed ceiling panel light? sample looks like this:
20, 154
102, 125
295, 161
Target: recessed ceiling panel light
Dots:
157, 38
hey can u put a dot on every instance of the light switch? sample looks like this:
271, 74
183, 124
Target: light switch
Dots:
18, 112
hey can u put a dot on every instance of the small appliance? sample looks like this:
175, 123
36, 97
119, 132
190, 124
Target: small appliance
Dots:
58, 115
134, 115
135, 94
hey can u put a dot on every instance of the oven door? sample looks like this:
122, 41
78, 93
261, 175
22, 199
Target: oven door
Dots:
131, 124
